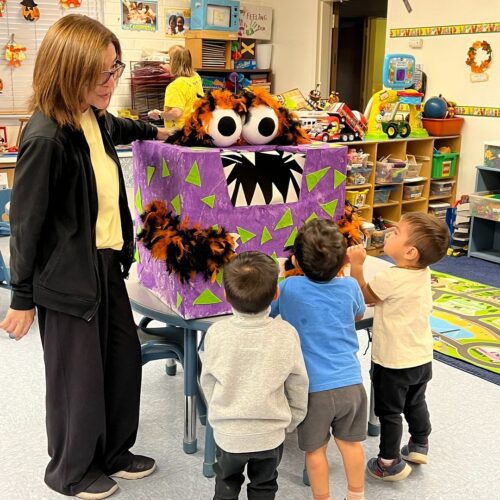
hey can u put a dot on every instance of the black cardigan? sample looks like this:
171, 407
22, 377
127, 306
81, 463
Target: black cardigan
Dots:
53, 215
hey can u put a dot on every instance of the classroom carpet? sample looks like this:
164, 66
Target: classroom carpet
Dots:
466, 325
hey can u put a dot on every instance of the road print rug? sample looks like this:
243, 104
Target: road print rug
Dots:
466, 324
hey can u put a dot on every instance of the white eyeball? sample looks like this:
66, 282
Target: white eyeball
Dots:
261, 126
225, 127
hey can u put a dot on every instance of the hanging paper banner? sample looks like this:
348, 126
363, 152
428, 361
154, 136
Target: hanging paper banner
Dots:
480, 111
455, 29
30, 10
70, 4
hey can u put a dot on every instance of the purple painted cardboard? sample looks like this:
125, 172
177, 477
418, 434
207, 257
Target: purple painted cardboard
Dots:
179, 161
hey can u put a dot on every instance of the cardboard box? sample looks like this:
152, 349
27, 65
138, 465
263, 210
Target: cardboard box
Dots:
194, 182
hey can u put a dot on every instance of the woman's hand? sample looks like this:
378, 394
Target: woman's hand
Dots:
17, 323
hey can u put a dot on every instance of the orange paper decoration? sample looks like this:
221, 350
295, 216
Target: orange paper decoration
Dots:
70, 4
15, 53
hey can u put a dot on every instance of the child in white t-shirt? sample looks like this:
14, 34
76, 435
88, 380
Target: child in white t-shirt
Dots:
402, 339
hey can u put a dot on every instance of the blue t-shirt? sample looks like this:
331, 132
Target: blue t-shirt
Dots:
324, 315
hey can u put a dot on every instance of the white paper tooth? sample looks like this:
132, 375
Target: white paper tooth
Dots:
227, 171
240, 198
258, 196
277, 197
249, 155
271, 152
291, 195
298, 177
230, 190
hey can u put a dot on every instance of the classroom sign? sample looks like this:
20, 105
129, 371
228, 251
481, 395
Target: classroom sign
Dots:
256, 21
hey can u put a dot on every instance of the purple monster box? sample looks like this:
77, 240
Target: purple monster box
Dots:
263, 194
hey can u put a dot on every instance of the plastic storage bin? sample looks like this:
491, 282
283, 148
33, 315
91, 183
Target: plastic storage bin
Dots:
443, 165
415, 165
381, 195
439, 209
356, 197
486, 205
368, 228
442, 187
412, 191
443, 126
390, 171
357, 176
492, 154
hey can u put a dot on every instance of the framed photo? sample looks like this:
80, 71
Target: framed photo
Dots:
139, 16
177, 21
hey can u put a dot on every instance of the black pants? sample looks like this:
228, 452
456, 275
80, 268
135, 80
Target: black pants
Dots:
262, 470
93, 379
396, 392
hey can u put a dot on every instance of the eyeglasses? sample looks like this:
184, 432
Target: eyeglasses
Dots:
115, 72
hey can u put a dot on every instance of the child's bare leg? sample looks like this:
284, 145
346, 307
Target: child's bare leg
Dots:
353, 457
317, 470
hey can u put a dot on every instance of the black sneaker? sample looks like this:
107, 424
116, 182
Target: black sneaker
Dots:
102, 487
139, 467
416, 453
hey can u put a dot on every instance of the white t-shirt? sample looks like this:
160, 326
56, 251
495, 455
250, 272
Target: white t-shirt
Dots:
402, 336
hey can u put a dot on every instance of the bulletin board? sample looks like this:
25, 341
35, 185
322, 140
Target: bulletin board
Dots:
17, 81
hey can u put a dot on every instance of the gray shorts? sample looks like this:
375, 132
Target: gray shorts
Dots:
342, 410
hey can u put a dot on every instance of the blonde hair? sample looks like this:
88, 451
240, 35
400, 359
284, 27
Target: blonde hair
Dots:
181, 63
69, 61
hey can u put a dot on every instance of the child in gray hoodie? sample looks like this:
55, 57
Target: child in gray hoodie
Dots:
254, 380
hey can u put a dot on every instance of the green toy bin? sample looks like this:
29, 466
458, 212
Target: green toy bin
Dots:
443, 165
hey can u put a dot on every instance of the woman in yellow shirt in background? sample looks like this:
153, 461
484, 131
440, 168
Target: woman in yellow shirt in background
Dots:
182, 93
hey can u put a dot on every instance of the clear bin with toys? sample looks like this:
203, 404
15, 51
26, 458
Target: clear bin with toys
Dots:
390, 171
412, 191
442, 187
486, 205
415, 165
382, 194
438, 209
358, 175
356, 197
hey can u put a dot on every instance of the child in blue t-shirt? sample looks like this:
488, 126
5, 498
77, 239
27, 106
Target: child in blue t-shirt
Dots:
324, 309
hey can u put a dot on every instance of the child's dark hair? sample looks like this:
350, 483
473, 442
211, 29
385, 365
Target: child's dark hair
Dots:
429, 235
250, 282
320, 249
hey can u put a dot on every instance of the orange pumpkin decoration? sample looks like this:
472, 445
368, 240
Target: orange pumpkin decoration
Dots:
30, 10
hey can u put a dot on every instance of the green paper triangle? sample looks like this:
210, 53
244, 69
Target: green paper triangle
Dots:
291, 239
330, 207
244, 234
280, 279
193, 177
285, 221
178, 302
338, 178
137, 255
219, 275
206, 297
266, 236
176, 203
165, 172
149, 173
274, 256
138, 200
209, 200
312, 217
215, 226
313, 178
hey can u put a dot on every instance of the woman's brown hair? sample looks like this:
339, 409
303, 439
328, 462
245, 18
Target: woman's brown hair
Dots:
68, 63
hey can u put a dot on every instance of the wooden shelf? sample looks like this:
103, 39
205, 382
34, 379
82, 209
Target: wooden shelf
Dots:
439, 196
359, 186
405, 202
390, 203
212, 35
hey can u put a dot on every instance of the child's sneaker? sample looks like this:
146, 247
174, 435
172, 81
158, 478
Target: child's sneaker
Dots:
396, 471
416, 453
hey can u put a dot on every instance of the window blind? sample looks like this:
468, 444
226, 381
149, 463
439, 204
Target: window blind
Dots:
17, 82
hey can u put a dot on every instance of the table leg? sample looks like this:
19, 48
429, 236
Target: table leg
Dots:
190, 443
373, 423
209, 456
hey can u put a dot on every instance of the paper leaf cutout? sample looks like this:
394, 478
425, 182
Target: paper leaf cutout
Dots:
266, 236
150, 170
330, 207
338, 178
285, 221
209, 200
176, 203
313, 178
193, 177
244, 234
206, 297
165, 172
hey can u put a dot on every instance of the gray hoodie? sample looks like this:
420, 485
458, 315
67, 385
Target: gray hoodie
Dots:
254, 380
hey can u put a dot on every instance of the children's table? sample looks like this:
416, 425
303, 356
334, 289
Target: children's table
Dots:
178, 340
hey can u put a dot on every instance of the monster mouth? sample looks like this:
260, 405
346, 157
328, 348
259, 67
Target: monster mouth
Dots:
262, 177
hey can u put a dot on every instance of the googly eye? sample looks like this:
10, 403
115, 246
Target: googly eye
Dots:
261, 126
224, 127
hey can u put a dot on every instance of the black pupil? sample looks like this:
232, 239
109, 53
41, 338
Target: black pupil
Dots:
226, 126
266, 127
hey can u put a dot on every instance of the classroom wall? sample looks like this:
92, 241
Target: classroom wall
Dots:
443, 58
